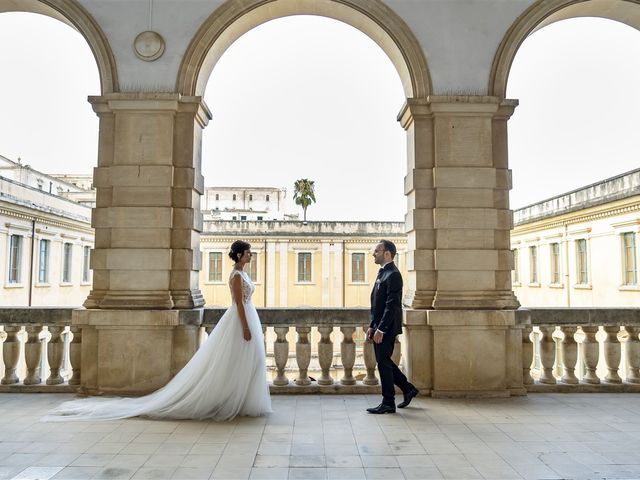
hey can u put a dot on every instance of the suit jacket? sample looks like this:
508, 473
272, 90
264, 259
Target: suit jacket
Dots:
386, 301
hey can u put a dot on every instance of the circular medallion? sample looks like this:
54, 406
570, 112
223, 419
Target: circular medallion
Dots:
148, 46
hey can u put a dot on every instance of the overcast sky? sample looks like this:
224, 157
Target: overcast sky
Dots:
286, 110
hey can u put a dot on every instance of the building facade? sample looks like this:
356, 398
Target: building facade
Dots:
317, 264
45, 240
580, 249
245, 204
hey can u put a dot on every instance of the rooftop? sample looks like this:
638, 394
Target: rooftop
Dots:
541, 436
608, 190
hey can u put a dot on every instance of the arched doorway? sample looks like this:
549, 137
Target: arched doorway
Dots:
382, 25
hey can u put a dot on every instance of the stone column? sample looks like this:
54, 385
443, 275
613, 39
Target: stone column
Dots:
146, 259
420, 288
147, 218
459, 260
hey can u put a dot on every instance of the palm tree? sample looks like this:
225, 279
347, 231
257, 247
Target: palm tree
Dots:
303, 194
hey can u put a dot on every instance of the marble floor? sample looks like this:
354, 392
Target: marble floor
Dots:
542, 436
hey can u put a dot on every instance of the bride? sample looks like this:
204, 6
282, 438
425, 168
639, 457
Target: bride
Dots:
226, 376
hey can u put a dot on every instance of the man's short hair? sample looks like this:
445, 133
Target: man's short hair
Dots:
389, 246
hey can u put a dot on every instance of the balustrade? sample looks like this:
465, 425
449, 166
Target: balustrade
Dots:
592, 347
37, 341
311, 349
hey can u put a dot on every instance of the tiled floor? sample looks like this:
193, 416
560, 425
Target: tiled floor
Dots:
542, 436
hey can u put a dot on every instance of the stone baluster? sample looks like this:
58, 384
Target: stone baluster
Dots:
348, 354
281, 355
325, 355
527, 355
547, 346
75, 355
33, 354
369, 355
612, 354
303, 355
632, 354
55, 355
569, 355
590, 355
10, 355
397, 351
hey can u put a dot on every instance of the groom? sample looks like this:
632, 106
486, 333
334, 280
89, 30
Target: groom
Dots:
386, 323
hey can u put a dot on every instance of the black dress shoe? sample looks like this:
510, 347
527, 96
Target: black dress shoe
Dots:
382, 408
408, 396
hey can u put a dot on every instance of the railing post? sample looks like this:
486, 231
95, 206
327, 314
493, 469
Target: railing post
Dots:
348, 353
590, 355
281, 355
303, 355
75, 355
369, 355
325, 355
55, 355
632, 354
612, 354
11, 355
527, 355
569, 355
33, 355
547, 355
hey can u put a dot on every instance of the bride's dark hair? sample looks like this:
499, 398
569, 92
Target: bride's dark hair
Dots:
237, 249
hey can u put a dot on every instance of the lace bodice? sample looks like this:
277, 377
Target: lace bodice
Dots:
247, 285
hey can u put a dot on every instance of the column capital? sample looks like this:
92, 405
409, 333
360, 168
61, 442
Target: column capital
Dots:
152, 102
455, 105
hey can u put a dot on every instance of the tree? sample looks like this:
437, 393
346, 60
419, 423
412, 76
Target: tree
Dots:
303, 194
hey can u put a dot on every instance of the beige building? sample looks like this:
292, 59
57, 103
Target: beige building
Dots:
580, 249
45, 239
318, 264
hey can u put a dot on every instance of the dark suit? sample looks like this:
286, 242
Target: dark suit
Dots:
386, 316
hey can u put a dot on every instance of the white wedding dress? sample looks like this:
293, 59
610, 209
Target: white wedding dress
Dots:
226, 377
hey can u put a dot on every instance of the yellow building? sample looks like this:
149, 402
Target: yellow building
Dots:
317, 264
580, 249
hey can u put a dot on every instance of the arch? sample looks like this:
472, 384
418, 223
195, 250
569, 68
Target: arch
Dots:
74, 15
236, 17
546, 12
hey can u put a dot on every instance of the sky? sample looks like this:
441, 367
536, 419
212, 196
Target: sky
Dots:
288, 114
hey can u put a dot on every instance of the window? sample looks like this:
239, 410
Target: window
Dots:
43, 262
253, 267
234, 218
250, 197
86, 254
357, 267
217, 196
267, 198
15, 259
581, 262
234, 197
304, 267
243, 217
516, 266
259, 217
67, 250
533, 264
555, 263
629, 259
215, 266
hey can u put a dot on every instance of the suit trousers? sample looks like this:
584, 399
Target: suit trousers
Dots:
390, 374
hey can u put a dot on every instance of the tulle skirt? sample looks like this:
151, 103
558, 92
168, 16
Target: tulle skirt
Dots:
225, 378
